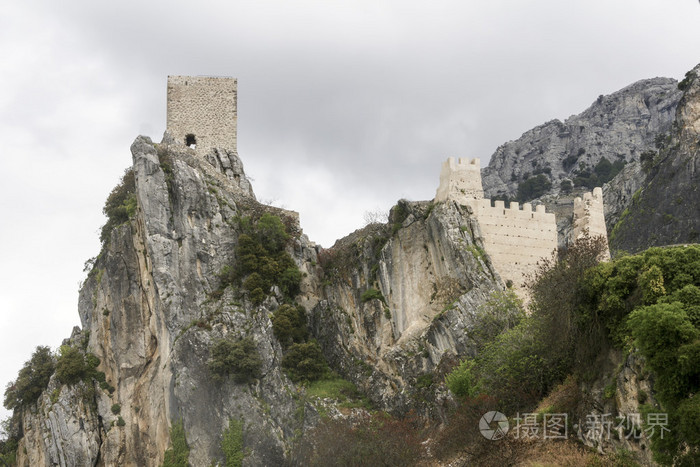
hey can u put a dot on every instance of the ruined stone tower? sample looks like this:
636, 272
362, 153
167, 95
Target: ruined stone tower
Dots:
202, 112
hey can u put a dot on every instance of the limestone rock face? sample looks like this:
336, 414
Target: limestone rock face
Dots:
62, 429
431, 273
618, 126
665, 209
153, 280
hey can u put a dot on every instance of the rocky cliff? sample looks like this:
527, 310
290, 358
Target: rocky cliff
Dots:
429, 273
388, 305
665, 208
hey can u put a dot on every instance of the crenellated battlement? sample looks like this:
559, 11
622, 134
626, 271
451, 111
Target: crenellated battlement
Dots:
460, 180
515, 237
497, 208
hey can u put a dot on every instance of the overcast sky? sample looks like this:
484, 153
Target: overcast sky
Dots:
344, 107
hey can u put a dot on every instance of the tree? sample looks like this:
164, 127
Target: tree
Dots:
32, 379
238, 358
289, 325
305, 362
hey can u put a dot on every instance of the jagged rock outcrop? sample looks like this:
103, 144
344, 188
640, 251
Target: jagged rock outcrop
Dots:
428, 275
665, 209
620, 126
151, 283
152, 307
63, 428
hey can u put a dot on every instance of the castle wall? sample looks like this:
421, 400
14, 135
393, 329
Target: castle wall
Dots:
516, 239
205, 107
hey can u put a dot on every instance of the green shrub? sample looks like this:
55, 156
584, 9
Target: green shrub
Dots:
398, 214
460, 380
73, 365
566, 186
238, 358
372, 294
179, 452
120, 205
8, 450
603, 172
120, 421
685, 82
31, 381
514, 369
116, 409
289, 325
262, 260
424, 381
232, 443
334, 387
503, 310
533, 187
305, 362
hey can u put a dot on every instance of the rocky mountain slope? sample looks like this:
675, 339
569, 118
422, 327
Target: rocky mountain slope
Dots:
620, 126
639, 143
665, 209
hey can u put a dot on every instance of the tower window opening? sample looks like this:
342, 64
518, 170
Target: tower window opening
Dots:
191, 141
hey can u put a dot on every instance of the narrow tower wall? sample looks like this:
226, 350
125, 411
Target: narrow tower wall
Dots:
589, 217
202, 112
460, 180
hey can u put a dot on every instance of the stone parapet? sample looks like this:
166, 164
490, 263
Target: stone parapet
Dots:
460, 180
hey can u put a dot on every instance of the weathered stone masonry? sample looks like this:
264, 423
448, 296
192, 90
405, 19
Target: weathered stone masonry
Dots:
202, 111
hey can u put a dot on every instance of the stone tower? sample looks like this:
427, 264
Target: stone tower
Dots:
460, 180
203, 112
589, 217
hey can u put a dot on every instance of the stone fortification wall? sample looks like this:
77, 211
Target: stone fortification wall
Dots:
460, 180
589, 217
516, 239
202, 111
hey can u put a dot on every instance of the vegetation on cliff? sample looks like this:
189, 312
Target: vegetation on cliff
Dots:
32, 379
262, 259
120, 205
648, 303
